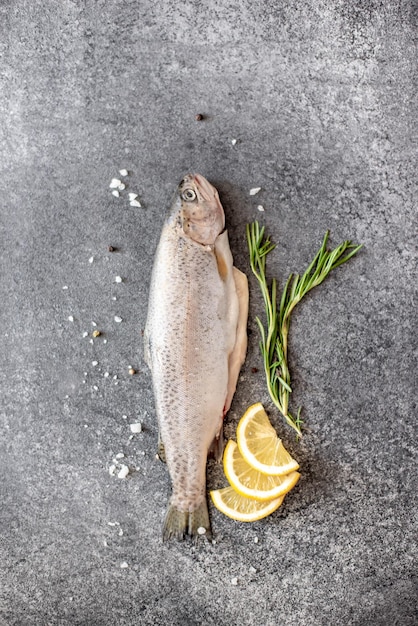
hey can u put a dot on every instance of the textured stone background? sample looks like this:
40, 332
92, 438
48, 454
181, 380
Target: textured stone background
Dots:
321, 98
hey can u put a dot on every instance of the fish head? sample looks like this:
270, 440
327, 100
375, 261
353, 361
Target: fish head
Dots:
199, 209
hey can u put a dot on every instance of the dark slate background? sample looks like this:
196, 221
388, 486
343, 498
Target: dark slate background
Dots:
321, 99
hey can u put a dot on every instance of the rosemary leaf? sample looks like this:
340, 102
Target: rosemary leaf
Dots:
274, 336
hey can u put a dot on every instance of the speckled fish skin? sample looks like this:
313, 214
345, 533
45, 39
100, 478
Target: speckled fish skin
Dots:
189, 336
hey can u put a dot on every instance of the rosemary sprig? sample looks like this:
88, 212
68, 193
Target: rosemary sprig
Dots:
274, 336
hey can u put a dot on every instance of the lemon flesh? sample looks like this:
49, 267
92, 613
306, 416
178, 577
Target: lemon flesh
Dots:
240, 508
260, 446
250, 482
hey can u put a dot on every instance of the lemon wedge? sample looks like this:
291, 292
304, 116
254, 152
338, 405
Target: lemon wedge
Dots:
250, 482
240, 508
260, 446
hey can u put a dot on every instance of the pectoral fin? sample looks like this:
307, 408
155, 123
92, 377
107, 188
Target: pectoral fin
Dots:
223, 256
237, 356
222, 264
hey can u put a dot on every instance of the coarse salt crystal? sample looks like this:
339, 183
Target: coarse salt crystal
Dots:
124, 417
123, 472
132, 196
114, 298
254, 190
136, 428
233, 141
85, 334
135, 203
114, 183
118, 279
255, 539
65, 287
93, 324
91, 259
118, 319
94, 363
120, 533
260, 207
106, 374
104, 340
123, 172
119, 455
91, 341
124, 565
105, 543
253, 570
121, 187
95, 387
70, 318
201, 530
115, 193
112, 470
234, 581
113, 523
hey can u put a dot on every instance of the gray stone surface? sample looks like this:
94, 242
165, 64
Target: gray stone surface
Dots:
320, 97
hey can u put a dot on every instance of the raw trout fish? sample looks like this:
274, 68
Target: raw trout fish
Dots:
195, 344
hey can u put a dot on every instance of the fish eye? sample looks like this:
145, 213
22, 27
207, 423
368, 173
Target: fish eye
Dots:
188, 195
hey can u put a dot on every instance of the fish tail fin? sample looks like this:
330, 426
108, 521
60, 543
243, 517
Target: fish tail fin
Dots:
175, 523
199, 521
178, 523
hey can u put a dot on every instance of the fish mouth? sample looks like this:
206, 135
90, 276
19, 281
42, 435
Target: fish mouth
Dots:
206, 190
